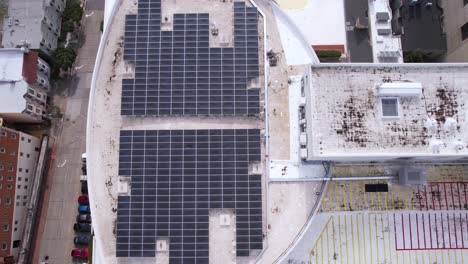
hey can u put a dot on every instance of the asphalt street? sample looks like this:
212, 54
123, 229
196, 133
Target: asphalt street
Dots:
55, 234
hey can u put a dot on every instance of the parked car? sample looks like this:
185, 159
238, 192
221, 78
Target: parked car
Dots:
84, 209
81, 240
84, 187
82, 227
80, 253
83, 199
83, 218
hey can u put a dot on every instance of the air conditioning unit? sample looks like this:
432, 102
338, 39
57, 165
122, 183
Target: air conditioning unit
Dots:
411, 176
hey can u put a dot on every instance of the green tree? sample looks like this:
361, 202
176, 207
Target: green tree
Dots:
68, 26
63, 58
414, 56
73, 11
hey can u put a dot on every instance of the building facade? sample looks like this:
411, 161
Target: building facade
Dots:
456, 27
18, 157
33, 24
24, 83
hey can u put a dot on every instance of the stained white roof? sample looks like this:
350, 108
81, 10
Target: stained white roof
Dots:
346, 118
11, 65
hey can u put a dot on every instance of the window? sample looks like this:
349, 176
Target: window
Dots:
38, 111
19, 178
29, 107
25, 187
465, 2
1, 167
16, 222
464, 31
8, 201
2, 150
20, 169
13, 136
22, 138
1, 177
9, 178
27, 171
5, 227
4, 245
27, 155
12, 152
4, 134
10, 168
25, 197
1, 186
389, 107
17, 203
18, 197
29, 140
16, 243
21, 154
24, 203
19, 186
16, 229
26, 179
9, 186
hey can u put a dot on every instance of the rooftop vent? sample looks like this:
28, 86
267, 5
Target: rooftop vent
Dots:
409, 175
382, 16
402, 89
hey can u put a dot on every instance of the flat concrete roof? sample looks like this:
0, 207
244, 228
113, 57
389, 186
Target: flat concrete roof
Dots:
11, 65
346, 111
420, 26
12, 96
23, 23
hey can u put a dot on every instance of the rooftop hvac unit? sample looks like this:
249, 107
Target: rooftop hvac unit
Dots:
382, 16
408, 175
389, 54
384, 31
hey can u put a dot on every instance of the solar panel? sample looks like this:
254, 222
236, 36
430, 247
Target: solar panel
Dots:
176, 73
176, 177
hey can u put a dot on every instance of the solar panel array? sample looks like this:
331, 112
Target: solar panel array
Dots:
177, 176
177, 73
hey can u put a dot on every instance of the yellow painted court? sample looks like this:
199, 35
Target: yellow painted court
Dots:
292, 4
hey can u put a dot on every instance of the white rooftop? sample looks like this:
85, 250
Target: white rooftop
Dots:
321, 22
346, 120
12, 96
11, 65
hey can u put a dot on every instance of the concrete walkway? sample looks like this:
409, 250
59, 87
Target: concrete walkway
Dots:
62, 186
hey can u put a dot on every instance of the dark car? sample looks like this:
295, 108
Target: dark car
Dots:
82, 227
83, 218
80, 253
81, 240
83, 199
84, 187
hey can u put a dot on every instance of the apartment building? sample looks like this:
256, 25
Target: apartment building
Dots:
35, 24
18, 157
24, 82
456, 27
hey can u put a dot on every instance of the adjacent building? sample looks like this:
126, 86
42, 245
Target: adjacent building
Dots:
420, 24
35, 24
18, 157
456, 26
372, 112
24, 82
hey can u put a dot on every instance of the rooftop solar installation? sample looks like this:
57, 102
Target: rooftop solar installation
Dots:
177, 176
177, 73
